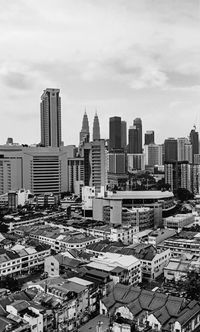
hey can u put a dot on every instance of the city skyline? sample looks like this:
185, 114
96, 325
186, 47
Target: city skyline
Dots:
142, 62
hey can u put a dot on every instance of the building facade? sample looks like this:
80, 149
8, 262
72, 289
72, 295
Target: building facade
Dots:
50, 116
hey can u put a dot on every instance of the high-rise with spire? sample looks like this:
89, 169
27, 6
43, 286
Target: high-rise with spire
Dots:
96, 128
85, 132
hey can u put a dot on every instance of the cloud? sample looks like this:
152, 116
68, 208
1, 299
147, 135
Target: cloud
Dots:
123, 55
17, 80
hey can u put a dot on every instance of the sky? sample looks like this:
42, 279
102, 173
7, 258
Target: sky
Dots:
128, 58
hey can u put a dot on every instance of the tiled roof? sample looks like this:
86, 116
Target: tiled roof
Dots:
66, 261
20, 305
164, 307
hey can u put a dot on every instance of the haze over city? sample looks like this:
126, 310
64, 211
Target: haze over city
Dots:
128, 58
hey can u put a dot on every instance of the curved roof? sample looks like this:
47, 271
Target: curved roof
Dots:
148, 194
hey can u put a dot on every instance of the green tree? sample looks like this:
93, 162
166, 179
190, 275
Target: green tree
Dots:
192, 285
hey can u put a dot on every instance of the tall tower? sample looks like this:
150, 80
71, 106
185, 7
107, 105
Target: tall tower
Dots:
85, 132
123, 134
135, 136
96, 128
50, 117
115, 133
194, 139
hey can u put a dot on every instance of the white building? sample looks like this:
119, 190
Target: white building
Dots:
122, 233
22, 259
122, 268
178, 221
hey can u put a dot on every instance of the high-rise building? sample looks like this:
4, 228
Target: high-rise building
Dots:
38, 169
85, 132
155, 154
95, 164
75, 172
117, 163
178, 175
50, 117
188, 153
194, 139
123, 134
149, 137
135, 137
170, 150
136, 162
96, 128
115, 133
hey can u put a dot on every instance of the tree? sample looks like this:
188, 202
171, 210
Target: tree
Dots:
184, 194
192, 285
4, 228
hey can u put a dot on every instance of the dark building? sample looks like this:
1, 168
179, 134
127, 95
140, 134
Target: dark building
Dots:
170, 150
96, 128
135, 137
149, 137
123, 134
115, 133
194, 139
87, 166
50, 118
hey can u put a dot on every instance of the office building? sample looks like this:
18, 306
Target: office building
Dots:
95, 164
75, 173
194, 139
117, 176
181, 141
155, 154
123, 134
149, 137
96, 128
170, 150
11, 166
188, 153
136, 162
115, 133
85, 132
135, 137
50, 116
38, 169
117, 163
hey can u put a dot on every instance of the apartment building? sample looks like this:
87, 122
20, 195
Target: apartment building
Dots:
21, 259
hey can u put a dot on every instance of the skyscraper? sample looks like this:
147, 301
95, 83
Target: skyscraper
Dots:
123, 134
115, 133
194, 139
149, 137
135, 137
170, 150
85, 132
50, 117
96, 128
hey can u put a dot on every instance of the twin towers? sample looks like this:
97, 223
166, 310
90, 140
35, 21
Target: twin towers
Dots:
85, 132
